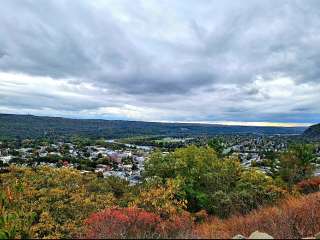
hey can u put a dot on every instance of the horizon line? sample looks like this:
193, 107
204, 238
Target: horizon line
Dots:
247, 124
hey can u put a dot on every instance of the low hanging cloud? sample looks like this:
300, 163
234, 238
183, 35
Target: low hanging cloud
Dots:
162, 60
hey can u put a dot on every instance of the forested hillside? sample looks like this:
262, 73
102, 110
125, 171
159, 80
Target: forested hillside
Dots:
313, 131
28, 126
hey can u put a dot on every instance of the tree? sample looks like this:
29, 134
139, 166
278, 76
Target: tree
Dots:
160, 198
204, 178
61, 200
297, 164
216, 144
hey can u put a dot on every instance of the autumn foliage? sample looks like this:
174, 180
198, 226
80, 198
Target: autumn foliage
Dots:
50, 203
309, 186
134, 223
294, 218
189, 193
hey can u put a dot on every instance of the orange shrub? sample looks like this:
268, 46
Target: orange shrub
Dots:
309, 186
177, 226
201, 216
294, 218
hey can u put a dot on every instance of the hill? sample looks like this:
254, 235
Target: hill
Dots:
313, 131
29, 126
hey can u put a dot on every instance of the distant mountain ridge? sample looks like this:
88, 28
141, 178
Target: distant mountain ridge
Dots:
313, 131
29, 126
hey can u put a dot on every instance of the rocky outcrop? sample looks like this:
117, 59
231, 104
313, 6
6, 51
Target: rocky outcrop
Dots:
262, 235
254, 235
239, 236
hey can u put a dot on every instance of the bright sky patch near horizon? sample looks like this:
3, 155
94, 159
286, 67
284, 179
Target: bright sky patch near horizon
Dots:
254, 62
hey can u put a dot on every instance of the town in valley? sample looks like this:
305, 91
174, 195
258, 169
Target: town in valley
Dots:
124, 158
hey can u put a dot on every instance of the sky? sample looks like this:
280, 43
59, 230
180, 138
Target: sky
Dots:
253, 62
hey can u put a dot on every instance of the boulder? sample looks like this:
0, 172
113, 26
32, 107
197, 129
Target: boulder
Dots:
239, 236
260, 235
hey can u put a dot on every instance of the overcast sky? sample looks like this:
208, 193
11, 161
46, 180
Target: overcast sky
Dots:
164, 60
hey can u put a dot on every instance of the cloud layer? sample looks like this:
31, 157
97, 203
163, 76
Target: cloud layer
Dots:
162, 60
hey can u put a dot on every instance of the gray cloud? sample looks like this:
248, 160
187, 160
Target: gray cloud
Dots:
164, 60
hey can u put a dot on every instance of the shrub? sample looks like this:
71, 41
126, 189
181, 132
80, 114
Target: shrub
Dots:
297, 164
201, 216
309, 186
122, 223
294, 218
13, 223
159, 199
177, 226
134, 223
59, 199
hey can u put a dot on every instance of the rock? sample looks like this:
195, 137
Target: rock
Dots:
239, 236
317, 236
260, 235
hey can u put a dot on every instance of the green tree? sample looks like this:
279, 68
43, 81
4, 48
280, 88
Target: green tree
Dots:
217, 145
297, 164
211, 183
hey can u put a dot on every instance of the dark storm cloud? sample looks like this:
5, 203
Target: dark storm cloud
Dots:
207, 58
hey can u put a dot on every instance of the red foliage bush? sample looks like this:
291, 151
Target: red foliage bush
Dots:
134, 223
294, 218
309, 186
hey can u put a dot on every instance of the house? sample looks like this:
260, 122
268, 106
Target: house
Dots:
6, 159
